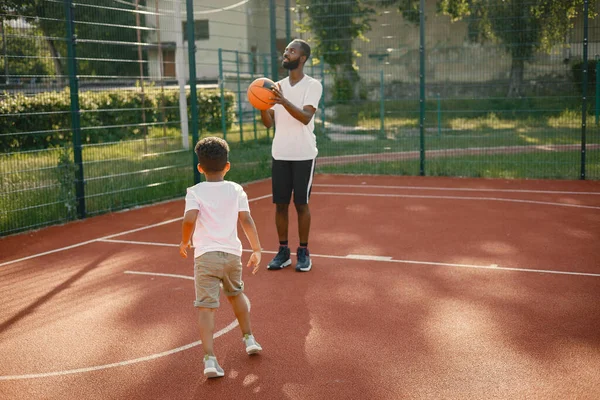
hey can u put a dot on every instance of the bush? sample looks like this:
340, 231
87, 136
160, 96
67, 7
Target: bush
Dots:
44, 120
577, 70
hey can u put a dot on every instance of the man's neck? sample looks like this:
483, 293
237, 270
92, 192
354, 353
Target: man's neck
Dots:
296, 76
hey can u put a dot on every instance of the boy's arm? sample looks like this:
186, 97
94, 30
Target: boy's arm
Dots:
252, 235
187, 229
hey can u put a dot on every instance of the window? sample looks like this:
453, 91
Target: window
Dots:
200, 29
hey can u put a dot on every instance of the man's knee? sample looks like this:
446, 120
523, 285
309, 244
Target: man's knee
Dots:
302, 208
282, 208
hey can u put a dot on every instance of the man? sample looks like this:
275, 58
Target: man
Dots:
294, 151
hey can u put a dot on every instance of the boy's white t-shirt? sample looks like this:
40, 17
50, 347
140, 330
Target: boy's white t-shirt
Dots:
293, 140
216, 226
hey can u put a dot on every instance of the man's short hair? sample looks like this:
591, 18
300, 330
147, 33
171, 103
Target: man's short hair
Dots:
305, 47
213, 154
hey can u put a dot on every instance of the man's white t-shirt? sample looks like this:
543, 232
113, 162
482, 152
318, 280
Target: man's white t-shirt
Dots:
216, 226
293, 140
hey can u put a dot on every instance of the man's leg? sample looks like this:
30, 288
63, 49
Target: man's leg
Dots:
303, 175
282, 259
303, 222
282, 221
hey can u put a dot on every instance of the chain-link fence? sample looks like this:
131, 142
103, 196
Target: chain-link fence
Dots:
93, 93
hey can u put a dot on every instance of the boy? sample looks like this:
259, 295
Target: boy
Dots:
212, 211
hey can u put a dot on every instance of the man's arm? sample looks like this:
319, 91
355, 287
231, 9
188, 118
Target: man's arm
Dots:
187, 229
267, 117
303, 115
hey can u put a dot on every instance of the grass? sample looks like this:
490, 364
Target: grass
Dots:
555, 165
37, 188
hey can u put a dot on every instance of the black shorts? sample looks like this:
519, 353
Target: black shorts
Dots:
288, 176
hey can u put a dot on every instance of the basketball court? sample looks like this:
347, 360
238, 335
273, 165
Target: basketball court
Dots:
422, 288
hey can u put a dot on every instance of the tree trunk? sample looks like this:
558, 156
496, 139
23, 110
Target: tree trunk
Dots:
517, 71
346, 86
58, 69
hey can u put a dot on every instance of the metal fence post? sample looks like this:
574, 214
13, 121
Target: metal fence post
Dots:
193, 95
75, 111
597, 88
222, 90
323, 95
273, 33
253, 69
439, 114
266, 70
422, 87
288, 24
381, 105
585, 88
239, 96
5, 54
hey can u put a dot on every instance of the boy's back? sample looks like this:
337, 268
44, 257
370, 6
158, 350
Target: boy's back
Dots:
218, 204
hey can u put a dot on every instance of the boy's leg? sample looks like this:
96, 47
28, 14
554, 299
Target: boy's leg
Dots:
240, 307
233, 287
239, 304
207, 329
207, 269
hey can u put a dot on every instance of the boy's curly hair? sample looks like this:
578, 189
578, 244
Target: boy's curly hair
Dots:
213, 154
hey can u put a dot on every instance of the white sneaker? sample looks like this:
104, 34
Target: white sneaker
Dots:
212, 369
252, 346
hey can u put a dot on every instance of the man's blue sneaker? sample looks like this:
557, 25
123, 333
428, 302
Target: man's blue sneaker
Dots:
282, 259
304, 263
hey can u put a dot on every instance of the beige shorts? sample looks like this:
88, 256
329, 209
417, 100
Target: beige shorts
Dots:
214, 270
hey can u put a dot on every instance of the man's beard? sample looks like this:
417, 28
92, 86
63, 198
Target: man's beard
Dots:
290, 65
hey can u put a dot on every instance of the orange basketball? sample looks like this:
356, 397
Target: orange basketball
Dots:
259, 93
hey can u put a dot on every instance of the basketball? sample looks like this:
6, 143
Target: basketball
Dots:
259, 93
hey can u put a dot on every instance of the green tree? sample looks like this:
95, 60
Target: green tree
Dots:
523, 27
26, 53
103, 29
334, 25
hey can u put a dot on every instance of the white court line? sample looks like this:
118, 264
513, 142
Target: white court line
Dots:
136, 242
367, 257
104, 238
457, 189
414, 196
388, 259
89, 241
320, 193
221, 332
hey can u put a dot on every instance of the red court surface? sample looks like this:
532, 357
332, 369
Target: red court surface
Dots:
422, 288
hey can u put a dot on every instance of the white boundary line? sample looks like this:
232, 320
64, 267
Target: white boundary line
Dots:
387, 259
90, 241
136, 242
104, 238
456, 189
414, 196
221, 332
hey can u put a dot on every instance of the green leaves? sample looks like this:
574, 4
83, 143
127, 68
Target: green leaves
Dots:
44, 120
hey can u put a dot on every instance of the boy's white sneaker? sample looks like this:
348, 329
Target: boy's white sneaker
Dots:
212, 369
252, 346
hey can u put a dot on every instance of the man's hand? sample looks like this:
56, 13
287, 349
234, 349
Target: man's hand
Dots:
278, 95
183, 249
254, 261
